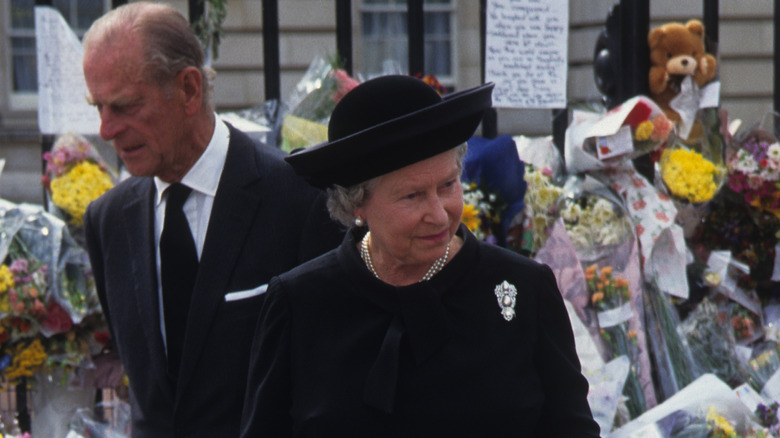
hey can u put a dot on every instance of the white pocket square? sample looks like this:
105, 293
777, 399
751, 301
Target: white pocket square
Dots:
244, 294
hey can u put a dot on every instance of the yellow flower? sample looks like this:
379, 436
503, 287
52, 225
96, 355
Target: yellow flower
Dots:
27, 360
6, 279
79, 186
689, 175
470, 217
644, 130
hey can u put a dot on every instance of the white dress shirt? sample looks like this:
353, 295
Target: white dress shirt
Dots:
203, 178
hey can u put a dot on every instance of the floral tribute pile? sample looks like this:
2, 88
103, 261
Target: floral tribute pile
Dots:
672, 275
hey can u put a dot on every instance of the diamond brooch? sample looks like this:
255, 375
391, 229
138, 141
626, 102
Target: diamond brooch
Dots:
506, 293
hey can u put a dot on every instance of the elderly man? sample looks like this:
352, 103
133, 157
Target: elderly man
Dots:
182, 250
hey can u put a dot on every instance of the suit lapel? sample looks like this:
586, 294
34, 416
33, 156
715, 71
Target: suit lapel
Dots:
139, 229
232, 215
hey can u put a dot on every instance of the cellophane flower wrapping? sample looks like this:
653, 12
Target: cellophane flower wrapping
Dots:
560, 254
595, 220
693, 171
49, 312
711, 342
753, 162
706, 401
494, 187
597, 139
311, 103
543, 174
763, 370
75, 175
85, 424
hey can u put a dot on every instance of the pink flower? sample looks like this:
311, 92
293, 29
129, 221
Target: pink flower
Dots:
638, 183
640, 204
639, 230
18, 266
344, 82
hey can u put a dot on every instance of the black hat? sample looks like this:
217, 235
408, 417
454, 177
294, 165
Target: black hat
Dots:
388, 123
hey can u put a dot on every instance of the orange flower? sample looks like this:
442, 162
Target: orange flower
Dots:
621, 282
606, 270
598, 296
631, 334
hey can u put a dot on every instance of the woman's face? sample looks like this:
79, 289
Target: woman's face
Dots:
413, 212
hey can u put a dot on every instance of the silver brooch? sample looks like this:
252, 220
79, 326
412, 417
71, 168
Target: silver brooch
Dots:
506, 293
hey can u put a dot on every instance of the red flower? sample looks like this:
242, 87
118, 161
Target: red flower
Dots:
663, 197
640, 204
639, 230
101, 337
638, 183
57, 319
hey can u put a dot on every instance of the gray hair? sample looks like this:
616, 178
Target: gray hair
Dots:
170, 44
342, 201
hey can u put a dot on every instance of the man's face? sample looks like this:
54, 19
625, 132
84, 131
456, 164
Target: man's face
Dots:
145, 121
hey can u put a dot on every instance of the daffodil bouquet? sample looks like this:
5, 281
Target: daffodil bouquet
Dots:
75, 176
610, 297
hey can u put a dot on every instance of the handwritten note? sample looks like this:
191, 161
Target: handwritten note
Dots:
62, 106
526, 54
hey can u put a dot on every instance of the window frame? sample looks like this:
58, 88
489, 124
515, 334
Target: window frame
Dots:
28, 100
396, 6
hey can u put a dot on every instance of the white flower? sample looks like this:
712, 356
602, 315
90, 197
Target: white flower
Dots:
773, 151
571, 212
745, 162
603, 210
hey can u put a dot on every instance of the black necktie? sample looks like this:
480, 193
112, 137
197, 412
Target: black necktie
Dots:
178, 268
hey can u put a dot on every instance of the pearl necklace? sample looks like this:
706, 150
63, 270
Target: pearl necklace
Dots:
365, 254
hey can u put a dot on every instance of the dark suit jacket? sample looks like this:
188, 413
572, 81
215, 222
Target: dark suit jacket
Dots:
265, 221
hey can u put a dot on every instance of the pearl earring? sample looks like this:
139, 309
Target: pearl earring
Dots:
359, 221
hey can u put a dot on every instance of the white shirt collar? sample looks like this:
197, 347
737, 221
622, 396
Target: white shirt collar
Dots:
204, 175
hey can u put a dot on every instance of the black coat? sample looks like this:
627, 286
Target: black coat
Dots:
340, 353
265, 220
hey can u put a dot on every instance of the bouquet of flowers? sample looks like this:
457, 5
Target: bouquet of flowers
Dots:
541, 198
763, 364
610, 298
595, 219
598, 140
49, 315
481, 212
323, 85
711, 342
75, 176
689, 175
754, 170
493, 174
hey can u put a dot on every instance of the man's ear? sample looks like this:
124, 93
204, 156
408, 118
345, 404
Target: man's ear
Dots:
191, 84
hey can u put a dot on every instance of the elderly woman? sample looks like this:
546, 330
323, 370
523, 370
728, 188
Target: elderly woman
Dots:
411, 327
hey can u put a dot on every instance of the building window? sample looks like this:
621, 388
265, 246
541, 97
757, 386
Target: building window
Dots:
384, 34
21, 36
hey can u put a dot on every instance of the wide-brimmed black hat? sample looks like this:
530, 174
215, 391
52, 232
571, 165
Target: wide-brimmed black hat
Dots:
388, 123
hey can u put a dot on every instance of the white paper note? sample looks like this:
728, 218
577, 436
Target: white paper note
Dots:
62, 90
527, 52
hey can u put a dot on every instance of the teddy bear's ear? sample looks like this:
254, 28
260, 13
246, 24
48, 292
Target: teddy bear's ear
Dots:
695, 27
655, 36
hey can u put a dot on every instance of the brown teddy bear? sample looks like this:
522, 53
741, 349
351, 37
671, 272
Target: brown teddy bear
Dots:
677, 51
